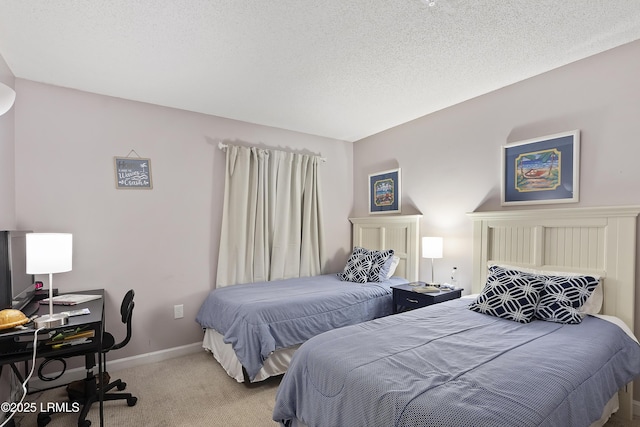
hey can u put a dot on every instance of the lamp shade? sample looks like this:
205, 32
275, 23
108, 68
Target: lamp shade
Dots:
49, 253
7, 97
432, 247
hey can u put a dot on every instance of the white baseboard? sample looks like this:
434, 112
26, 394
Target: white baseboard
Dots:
116, 365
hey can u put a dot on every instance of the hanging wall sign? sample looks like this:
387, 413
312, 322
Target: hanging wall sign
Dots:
133, 172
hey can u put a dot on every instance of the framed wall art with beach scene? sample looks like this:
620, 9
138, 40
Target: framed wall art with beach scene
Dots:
542, 170
384, 192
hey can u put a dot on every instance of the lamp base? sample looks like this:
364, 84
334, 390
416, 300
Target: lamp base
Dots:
49, 321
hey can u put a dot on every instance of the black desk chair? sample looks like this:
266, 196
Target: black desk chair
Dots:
87, 391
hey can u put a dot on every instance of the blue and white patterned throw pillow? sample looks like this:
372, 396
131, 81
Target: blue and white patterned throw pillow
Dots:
509, 294
562, 297
379, 265
357, 267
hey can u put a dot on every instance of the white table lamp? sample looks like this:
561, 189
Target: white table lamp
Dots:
49, 253
432, 248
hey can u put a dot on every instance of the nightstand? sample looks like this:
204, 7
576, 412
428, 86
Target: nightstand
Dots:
405, 299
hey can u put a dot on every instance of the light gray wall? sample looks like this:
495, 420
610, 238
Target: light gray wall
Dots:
161, 242
450, 160
7, 193
7, 183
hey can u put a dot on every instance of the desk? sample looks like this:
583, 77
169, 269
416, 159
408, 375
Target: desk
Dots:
16, 345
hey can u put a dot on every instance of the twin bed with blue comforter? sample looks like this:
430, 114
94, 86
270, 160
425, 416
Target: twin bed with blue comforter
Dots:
257, 319
253, 330
446, 365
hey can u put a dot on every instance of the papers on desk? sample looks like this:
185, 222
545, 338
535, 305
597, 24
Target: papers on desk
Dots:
71, 299
71, 343
68, 337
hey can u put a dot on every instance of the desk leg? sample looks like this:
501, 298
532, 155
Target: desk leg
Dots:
11, 422
102, 385
17, 373
101, 371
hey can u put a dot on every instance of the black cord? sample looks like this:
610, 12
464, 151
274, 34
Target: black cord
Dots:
45, 363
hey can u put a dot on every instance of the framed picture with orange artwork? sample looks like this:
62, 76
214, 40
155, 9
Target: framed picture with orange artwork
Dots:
542, 170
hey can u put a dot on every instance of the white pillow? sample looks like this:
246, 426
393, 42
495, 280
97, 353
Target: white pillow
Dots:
395, 260
592, 305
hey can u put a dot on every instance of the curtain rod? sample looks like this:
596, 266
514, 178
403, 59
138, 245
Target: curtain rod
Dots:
223, 147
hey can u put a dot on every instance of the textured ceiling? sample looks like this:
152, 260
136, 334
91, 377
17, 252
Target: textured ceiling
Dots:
344, 69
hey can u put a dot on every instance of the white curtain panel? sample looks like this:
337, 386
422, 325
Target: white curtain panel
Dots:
271, 220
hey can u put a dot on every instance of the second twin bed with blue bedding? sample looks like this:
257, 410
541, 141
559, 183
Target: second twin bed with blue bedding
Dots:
259, 318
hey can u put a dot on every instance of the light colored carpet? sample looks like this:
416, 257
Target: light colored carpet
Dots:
192, 390
614, 421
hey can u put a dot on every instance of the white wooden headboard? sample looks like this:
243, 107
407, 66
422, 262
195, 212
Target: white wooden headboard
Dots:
600, 240
400, 233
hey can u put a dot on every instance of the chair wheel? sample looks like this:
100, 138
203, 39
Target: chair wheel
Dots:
121, 386
84, 423
43, 420
132, 401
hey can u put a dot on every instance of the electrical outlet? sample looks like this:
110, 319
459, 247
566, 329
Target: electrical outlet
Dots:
178, 311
